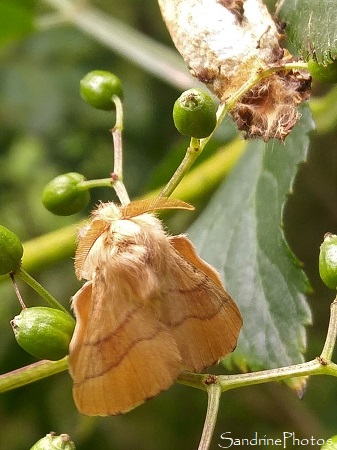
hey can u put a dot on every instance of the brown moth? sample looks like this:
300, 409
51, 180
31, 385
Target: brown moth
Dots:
150, 309
224, 43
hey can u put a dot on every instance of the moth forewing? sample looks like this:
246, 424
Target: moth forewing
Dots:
123, 354
81, 304
86, 240
130, 359
207, 322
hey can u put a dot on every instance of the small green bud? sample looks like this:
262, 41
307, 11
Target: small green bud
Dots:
43, 332
328, 260
11, 251
53, 442
194, 114
98, 87
326, 73
63, 196
330, 444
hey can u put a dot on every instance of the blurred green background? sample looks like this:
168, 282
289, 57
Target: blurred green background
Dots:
46, 129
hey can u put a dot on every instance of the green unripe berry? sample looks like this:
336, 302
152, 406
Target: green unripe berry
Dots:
328, 260
63, 196
194, 114
98, 87
323, 73
43, 332
11, 251
330, 444
53, 442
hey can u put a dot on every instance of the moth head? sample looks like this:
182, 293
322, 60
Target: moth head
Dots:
110, 216
108, 212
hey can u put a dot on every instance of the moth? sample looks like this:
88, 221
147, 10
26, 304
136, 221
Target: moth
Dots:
150, 308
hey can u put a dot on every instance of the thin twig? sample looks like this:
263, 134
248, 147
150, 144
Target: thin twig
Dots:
192, 153
214, 394
117, 174
117, 137
40, 290
17, 291
330, 341
31, 373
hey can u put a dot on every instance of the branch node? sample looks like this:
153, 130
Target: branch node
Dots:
322, 361
211, 379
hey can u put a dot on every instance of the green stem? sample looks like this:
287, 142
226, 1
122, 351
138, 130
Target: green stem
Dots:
255, 79
296, 65
40, 290
17, 291
214, 394
116, 179
31, 373
121, 192
195, 380
117, 137
90, 184
117, 175
119, 113
203, 179
192, 153
226, 382
330, 341
313, 367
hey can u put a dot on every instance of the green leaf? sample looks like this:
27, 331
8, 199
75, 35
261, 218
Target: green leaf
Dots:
311, 27
16, 19
240, 234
